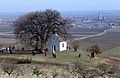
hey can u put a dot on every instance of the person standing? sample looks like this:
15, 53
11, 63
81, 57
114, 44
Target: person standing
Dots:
10, 49
13, 48
54, 51
45, 51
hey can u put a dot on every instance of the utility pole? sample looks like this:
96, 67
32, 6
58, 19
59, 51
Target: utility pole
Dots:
98, 16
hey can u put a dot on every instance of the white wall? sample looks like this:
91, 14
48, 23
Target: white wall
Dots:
63, 46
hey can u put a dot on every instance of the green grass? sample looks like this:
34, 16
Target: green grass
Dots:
66, 57
114, 52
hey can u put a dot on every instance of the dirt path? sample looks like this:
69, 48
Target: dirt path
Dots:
90, 36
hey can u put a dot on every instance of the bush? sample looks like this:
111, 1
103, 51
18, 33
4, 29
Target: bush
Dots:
36, 71
25, 60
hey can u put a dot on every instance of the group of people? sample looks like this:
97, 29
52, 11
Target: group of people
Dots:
45, 50
53, 51
9, 49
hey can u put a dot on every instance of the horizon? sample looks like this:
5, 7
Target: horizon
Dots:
67, 12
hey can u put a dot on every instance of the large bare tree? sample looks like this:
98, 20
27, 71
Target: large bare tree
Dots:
34, 28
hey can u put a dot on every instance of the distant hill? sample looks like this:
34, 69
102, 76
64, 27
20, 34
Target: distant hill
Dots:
90, 12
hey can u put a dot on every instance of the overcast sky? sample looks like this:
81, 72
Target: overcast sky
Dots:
61, 5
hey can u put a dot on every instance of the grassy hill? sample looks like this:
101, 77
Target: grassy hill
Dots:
109, 40
114, 52
106, 41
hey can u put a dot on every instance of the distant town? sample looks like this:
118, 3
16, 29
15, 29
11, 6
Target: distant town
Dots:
7, 20
95, 20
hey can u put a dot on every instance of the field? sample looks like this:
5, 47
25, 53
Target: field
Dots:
106, 41
6, 28
83, 32
6, 36
114, 52
65, 63
62, 57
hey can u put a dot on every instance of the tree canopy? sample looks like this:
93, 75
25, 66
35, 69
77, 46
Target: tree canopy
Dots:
34, 28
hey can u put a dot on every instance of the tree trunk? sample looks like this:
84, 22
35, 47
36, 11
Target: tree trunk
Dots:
42, 45
36, 46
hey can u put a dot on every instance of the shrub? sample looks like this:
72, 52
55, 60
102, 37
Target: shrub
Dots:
25, 60
75, 45
36, 71
8, 68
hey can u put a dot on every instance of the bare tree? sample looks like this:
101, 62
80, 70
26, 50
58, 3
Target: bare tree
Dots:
34, 28
95, 49
75, 44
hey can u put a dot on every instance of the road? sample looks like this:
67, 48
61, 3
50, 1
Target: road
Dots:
90, 36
